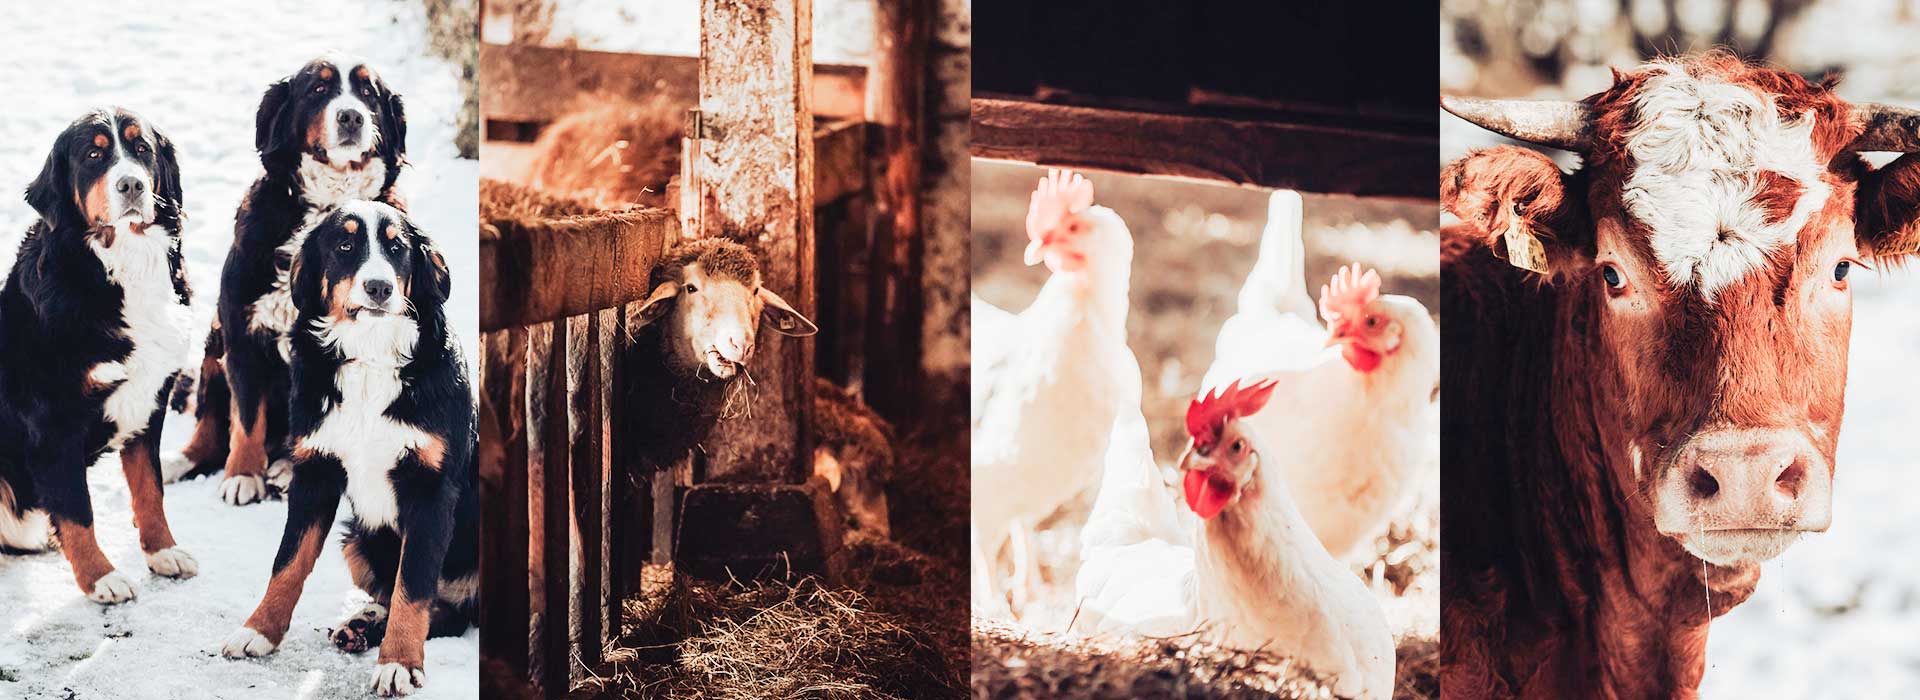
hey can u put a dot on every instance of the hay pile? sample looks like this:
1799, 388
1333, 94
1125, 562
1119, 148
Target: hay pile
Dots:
891, 629
614, 154
505, 200
1009, 663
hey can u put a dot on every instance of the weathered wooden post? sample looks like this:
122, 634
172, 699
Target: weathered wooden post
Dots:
753, 183
896, 98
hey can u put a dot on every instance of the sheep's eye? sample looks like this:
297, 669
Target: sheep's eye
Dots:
691, 289
1616, 282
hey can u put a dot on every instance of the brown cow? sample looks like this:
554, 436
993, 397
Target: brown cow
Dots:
1637, 423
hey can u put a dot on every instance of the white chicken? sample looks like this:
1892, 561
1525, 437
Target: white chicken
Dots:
1049, 382
1352, 458
1247, 573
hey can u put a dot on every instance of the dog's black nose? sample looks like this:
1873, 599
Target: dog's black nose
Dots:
379, 290
130, 185
350, 121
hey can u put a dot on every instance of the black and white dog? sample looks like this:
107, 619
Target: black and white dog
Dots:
330, 133
93, 331
381, 411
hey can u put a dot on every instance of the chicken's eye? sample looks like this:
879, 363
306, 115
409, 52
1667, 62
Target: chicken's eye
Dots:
1239, 446
1373, 321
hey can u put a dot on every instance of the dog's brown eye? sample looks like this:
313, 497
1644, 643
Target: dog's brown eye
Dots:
366, 91
140, 148
346, 246
317, 89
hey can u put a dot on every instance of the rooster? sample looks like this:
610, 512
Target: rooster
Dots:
1051, 380
1368, 379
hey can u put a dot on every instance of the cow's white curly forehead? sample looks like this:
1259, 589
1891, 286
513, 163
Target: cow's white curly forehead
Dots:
1699, 147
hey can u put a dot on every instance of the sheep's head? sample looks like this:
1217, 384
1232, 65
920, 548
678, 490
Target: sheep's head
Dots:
709, 292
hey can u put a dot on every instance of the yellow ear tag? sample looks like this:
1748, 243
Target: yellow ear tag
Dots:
1523, 250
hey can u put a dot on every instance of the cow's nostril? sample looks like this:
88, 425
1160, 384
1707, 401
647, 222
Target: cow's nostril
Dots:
1702, 484
1792, 479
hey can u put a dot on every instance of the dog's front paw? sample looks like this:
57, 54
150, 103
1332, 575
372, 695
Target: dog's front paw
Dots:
243, 489
173, 562
245, 642
361, 632
279, 476
111, 589
391, 679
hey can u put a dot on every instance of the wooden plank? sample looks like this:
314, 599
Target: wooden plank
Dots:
503, 493
585, 556
756, 186
839, 161
540, 84
542, 270
547, 483
901, 28
606, 329
1309, 157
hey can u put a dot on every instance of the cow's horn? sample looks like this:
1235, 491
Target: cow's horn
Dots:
1561, 124
1889, 128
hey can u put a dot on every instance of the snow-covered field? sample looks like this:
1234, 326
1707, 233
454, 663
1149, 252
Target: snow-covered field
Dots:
196, 69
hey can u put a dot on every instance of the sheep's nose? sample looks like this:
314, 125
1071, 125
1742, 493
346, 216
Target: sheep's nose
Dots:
379, 290
733, 347
130, 185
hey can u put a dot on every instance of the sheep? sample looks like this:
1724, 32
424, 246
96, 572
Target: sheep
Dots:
696, 333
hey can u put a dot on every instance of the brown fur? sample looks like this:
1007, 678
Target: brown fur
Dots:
432, 453
247, 446
360, 570
94, 204
143, 484
1555, 582
582, 154
209, 430
275, 611
719, 259
407, 625
83, 553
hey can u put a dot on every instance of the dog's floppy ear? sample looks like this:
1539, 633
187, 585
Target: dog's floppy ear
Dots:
393, 124
273, 124
304, 279
166, 175
658, 303
780, 316
51, 192
430, 271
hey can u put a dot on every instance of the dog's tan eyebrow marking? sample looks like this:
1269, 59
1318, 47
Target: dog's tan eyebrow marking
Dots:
326, 71
392, 231
100, 141
361, 73
352, 225
131, 132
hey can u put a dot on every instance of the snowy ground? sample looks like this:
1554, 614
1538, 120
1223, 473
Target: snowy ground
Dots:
197, 70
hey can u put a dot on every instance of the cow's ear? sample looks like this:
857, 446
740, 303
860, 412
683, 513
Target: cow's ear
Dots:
1887, 210
1513, 195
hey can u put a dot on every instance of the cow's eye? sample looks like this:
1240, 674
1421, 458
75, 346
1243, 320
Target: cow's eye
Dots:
1840, 271
1615, 279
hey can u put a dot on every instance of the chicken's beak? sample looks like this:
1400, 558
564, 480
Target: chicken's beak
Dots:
1035, 254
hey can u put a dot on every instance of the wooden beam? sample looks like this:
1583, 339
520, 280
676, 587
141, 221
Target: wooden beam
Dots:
755, 186
542, 270
839, 160
1308, 157
538, 84
901, 28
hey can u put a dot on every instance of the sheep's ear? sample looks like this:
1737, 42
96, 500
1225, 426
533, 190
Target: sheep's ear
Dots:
659, 302
781, 317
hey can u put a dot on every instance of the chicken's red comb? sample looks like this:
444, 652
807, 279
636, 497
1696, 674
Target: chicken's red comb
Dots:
1059, 194
1348, 292
1207, 413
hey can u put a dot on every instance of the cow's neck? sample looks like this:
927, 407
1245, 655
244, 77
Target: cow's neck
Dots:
1651, 607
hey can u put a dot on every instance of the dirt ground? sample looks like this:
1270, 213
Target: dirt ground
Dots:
1194, 245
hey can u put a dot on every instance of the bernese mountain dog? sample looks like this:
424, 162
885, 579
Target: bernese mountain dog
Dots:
381, 411
330, 133
93, 331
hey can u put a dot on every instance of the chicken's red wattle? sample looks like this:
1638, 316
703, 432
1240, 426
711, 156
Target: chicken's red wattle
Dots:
1207, 493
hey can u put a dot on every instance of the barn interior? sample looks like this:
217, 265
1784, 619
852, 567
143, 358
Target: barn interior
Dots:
827, 136
1154, 104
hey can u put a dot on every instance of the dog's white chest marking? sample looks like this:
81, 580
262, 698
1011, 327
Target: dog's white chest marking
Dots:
357, 430
323, 187
152, 319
